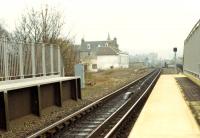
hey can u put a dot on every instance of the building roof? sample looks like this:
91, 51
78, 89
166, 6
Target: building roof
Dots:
108, 47
106, 51
92, 45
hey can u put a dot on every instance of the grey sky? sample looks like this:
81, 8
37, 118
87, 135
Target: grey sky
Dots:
141, 26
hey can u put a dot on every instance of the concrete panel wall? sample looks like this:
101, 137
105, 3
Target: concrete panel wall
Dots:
66, 87
19, 103
192, 52
48, 94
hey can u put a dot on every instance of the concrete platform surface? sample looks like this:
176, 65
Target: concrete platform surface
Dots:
166, 114
23, 83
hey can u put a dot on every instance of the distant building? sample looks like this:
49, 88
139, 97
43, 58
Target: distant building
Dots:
137, 64
191, 57
149, 60
101, 55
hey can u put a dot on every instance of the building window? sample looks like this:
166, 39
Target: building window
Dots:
88, 46
94, 66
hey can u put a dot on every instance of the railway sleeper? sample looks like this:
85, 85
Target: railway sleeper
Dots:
87, 125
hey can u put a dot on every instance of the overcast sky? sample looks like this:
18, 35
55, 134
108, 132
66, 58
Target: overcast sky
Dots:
141, 26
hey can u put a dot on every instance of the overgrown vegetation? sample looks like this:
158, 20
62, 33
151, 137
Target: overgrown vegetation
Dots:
69, 55
39, 25
45, 25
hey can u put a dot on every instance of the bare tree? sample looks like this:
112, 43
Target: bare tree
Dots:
3, 32
52, 24
45, 25
42, 25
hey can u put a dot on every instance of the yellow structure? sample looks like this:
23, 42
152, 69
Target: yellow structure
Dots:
193, 78
166, 114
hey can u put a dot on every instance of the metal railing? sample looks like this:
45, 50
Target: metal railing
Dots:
19, 60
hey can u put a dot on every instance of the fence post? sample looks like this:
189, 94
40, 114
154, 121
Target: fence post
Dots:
59, 64
51, 58
21, 62
63, 71
33, 59
43, 60
5, 54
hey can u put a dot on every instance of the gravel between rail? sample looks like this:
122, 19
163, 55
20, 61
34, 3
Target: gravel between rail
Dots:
99, 85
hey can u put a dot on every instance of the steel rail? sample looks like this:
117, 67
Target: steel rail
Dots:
95, 132
88, 107
108, 119
115, 128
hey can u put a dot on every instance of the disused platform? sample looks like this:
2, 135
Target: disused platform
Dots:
30, 96
166, 114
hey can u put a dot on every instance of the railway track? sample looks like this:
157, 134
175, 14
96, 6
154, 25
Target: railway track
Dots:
105, 117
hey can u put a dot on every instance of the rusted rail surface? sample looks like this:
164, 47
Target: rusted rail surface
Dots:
94, 119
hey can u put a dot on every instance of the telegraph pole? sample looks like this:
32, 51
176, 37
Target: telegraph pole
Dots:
175, 50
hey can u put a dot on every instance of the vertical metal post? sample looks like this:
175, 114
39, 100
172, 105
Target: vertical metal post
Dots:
51, 58
33, 59
58, 94
175, 63
63, 71
6, 110
43, 60
175, 50
5, 54
21, 62
59, 64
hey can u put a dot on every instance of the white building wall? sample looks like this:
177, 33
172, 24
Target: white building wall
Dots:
91, 65
107, 61
123, 60
115, 61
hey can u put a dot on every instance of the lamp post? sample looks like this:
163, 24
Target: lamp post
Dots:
175, 50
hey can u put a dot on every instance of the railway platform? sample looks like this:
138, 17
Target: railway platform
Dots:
166, 114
